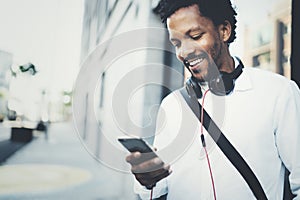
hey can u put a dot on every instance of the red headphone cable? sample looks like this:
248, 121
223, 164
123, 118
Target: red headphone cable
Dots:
151, 194
204, 146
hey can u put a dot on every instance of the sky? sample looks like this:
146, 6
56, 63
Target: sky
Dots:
46, 33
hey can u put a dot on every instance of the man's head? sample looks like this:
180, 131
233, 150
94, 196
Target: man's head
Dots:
216, 10
200, 31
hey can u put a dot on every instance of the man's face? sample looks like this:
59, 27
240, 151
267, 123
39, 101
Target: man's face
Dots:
196, 40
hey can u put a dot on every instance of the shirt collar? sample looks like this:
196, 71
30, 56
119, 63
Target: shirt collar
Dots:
243, 82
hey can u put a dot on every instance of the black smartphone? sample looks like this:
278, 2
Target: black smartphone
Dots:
135, 144
138, 144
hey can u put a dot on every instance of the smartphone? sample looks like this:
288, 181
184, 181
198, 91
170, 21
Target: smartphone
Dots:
135, 144
138, 144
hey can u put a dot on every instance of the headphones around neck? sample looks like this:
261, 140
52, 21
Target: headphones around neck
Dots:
221, 85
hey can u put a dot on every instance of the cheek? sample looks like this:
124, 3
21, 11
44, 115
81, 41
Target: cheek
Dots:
213, 47
206, 45
178, 55
213, 50
216, 49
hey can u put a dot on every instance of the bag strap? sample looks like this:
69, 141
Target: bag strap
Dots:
227, 148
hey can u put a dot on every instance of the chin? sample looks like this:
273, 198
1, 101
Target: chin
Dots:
199, 77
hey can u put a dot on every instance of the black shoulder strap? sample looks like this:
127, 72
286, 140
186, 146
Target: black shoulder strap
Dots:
227, 148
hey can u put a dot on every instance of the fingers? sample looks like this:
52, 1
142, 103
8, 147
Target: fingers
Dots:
133, 157
137, 158
148, 166
158, 174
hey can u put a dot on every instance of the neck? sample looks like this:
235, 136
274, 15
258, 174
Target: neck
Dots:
227, 64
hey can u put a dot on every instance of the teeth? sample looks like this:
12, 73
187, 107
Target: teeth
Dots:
195, 62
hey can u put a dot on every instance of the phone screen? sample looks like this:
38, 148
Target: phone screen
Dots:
135, 144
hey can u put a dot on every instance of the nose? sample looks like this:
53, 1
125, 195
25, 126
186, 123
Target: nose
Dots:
186, 49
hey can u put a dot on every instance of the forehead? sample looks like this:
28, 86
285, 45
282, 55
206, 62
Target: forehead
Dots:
184, 12
186, 19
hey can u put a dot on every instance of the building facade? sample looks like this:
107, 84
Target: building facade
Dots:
268, 42
125, 48
6, 60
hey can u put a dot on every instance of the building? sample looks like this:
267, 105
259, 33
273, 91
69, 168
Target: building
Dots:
268, 42
127, 68
6, 59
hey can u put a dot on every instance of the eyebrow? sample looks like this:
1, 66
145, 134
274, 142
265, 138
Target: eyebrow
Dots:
197, 28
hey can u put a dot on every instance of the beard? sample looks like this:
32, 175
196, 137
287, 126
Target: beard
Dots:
211, 71
211, 64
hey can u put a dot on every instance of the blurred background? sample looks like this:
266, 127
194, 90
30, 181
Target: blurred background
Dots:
43, 46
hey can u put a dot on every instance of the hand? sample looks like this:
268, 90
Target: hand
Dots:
147, 168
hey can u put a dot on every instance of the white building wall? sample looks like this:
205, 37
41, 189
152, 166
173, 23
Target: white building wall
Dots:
124, 100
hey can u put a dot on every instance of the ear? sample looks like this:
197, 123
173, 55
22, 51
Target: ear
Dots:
225, 30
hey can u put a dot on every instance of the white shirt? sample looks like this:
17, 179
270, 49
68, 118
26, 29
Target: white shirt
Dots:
261, 120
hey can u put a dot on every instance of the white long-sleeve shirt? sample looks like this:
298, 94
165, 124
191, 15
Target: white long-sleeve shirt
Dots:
261, 118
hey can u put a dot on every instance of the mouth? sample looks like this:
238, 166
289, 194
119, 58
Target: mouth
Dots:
194, 63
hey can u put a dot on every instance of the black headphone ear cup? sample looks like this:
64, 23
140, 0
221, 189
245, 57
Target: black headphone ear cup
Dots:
221, 85
194, 86
228, 82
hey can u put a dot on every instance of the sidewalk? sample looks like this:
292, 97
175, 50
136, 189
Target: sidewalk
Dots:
4, 132
60, 168
7, 147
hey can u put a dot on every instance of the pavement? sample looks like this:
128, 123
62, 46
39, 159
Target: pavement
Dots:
59, 168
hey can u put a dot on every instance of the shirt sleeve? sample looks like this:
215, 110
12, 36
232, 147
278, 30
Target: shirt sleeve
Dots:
159, 190
287, 133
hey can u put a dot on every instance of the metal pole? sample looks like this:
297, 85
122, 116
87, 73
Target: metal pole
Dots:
295, 55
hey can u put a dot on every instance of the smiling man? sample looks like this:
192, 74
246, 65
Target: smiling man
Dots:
261, 119
198, 41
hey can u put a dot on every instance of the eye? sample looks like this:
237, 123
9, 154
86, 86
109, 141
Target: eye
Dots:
176, 43
196, 36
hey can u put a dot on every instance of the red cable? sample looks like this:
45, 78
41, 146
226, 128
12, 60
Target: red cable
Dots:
211, 175
151, 194
204, 146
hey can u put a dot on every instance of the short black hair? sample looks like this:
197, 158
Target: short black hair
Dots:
216, 10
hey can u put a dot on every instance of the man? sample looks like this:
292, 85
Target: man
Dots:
259, 116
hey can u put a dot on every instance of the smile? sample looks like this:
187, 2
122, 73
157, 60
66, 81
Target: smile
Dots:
195, 62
